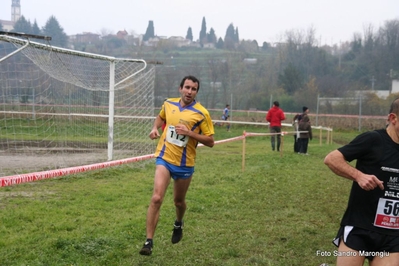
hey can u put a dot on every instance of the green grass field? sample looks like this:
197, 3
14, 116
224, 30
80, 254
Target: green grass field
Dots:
279, 211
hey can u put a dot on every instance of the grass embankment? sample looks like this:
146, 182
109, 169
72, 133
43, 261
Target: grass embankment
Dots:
279, 211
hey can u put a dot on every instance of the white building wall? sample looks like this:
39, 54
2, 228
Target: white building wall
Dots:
395, 86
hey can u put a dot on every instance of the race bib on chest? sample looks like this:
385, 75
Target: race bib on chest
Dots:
387, 215
174, 138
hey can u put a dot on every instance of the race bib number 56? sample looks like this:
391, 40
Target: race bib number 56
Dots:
387, 214
176, 139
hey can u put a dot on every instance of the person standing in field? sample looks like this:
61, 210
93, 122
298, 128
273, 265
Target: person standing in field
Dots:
274, 116
305, 129
226, 116
370, 225
188, 123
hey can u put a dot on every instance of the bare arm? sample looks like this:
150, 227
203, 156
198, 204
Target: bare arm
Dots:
337, 163
154, 134
206, 140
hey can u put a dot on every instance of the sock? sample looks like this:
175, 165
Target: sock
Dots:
178, 223
149, 240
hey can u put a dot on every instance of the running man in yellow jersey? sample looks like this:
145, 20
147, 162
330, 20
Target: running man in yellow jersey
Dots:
187, 123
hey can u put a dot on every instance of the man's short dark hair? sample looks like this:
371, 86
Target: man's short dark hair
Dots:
276, 103
394, 107
192, 78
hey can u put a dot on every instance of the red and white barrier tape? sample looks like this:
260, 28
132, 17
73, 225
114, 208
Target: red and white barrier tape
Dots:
30, 177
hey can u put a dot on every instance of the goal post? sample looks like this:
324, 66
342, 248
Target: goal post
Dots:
63, 108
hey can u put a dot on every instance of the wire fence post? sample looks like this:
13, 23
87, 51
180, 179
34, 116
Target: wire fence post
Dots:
321, 135
243, 152
281, 144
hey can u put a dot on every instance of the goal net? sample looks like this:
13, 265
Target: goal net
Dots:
62, 108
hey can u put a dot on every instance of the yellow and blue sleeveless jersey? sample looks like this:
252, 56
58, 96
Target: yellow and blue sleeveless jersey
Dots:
196, 118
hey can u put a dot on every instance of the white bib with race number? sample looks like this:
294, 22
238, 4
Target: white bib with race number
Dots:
176, 139
387, 214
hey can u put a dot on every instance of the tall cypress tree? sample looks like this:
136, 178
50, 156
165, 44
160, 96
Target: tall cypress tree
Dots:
150, 32
237, 38
189, 35
202, 36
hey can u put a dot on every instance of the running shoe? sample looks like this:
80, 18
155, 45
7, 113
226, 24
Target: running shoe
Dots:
177, 233
146, 249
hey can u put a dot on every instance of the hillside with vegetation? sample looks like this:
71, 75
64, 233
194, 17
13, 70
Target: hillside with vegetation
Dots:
295, 71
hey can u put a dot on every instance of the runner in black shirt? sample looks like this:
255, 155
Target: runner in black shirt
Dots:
370, 225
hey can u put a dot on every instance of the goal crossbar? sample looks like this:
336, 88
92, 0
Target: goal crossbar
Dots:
50, 48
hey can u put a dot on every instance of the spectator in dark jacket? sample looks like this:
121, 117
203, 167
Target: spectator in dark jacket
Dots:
274, 116
305, 134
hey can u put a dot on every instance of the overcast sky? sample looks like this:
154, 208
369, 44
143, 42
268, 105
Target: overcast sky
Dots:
262, 20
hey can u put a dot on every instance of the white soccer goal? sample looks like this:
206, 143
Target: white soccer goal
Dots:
61, 108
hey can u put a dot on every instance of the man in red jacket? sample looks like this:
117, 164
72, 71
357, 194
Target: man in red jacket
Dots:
274, 116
